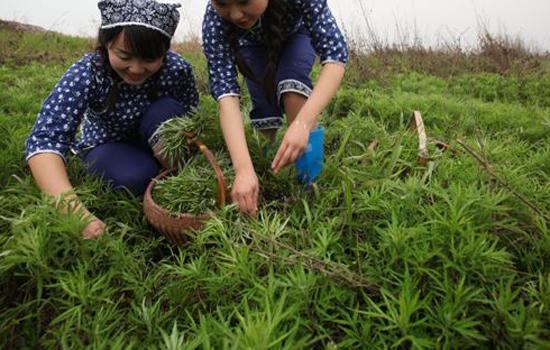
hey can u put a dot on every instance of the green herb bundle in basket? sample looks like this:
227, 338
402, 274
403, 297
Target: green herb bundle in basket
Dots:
192, 188
178, 200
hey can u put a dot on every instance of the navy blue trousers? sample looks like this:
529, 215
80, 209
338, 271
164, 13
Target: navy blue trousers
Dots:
131, 164
295, 65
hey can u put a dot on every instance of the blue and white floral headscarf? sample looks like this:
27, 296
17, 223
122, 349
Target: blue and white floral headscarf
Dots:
147, 13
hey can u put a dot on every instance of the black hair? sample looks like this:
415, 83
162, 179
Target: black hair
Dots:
272, 26
142, 42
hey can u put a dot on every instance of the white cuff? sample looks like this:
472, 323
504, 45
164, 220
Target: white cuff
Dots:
230, 94
46, 151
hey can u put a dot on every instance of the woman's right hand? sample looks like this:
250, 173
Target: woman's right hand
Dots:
50, 175
95, 227
245, 191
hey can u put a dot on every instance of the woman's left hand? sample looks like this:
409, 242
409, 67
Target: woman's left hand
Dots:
293, 145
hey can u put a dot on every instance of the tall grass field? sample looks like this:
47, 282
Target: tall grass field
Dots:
380, 253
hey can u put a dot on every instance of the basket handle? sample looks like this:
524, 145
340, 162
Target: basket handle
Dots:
222, 185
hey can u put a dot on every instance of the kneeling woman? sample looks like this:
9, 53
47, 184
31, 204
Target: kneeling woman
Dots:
118, 95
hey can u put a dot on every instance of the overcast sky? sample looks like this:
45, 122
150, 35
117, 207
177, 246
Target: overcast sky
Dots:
431, 19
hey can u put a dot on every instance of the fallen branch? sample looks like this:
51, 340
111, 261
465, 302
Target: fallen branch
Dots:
373, 145
329, 269
444, 146
485, 163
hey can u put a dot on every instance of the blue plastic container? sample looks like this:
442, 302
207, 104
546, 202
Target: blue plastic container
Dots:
310, 163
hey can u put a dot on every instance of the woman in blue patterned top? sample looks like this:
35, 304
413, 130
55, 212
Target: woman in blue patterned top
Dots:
118, 96
273, 43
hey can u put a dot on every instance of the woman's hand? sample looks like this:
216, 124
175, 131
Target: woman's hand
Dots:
94, 229
245, 188
50, 175
245, 191
293, 145
297, 135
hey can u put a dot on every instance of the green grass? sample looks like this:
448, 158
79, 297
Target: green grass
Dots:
380, 253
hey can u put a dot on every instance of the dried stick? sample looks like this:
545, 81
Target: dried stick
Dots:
373, 145
504, 184
417, 124
329, 269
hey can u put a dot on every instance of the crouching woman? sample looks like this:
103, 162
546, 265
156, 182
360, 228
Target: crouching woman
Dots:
118, 96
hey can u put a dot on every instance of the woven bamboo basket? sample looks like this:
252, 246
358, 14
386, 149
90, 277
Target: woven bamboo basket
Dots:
176, 226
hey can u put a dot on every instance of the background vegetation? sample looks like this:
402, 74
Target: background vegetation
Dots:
378, 254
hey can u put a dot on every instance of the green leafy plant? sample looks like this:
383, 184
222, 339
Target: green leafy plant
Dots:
193, 189
378, 253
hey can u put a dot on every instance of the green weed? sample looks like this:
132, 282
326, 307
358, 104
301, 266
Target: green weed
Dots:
378, 253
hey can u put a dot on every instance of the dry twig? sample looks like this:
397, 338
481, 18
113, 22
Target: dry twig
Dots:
417, 124
485, 163
329, 269
373, 145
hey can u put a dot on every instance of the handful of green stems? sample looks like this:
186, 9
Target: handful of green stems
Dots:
175, 148
193, 188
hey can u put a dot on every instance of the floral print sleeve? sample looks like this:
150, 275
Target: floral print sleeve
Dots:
61, 113
222, 70
326, 37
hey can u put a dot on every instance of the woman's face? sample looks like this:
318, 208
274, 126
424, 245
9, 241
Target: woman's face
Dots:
132, 69
243, 13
